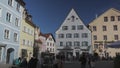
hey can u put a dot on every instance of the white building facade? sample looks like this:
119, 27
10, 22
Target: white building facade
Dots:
73, 37
50, 44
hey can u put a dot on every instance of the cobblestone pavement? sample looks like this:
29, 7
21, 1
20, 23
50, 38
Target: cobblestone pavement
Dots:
4, 65
99, 64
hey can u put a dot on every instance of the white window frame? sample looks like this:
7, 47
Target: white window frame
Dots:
80, 27
17, 22
18, 7
23, 42
84, 35
15, 37
69, 43
10, 2
8, 17
76, 43
85, 43
6, 34
68, 35
76, 35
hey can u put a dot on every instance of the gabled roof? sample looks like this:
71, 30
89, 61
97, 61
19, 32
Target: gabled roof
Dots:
110, 9
47, 35
38, 41
69, 16
72, 15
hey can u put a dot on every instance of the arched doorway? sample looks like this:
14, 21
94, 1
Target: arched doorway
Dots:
10, 56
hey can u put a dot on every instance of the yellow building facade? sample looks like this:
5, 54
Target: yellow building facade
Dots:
105, 30
26, 37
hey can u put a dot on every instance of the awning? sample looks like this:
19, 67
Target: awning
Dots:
114, 44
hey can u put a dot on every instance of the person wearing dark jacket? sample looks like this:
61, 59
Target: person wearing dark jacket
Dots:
24, 63
33, 62
83, 61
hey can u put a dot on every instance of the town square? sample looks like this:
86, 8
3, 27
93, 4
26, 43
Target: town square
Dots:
59, 34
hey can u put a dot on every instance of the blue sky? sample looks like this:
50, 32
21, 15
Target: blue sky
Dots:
50, 14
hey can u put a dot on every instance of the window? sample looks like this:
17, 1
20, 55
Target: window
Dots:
104, 28
0, 12
84, 43
95, 37
76, 35
8, 17
65, 28
61, 43
94, 28
116, 37
28, 31
16, 22
28, 42
105, 19
53, 49
24, 29
47, 49
50, 44
68, 35
47, 43
50, 49
68, 43
31, 43
115, 27
18, 7
73, 18
10, 2
105, 37
6, 34
61, 35
96, 46
112, 18
15, 37
73, 27
32, 33
80, 27
118, 18
76, 43
23, 41
84, 35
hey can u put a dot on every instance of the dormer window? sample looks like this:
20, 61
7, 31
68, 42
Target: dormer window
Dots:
73, 18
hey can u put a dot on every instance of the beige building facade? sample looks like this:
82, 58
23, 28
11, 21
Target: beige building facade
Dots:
105, 30
26, 36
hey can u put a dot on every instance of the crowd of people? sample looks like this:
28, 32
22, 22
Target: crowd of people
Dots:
23, 63
55, 62
46, 62
88, 59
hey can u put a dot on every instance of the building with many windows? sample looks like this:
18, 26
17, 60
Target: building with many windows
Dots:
106, 29
73, 37
48, 43
26, 36
10, 22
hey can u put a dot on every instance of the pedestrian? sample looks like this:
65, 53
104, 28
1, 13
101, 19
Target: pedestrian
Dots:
83, 60
89, 60
17, 62
93, 62
33, 62
24, 63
